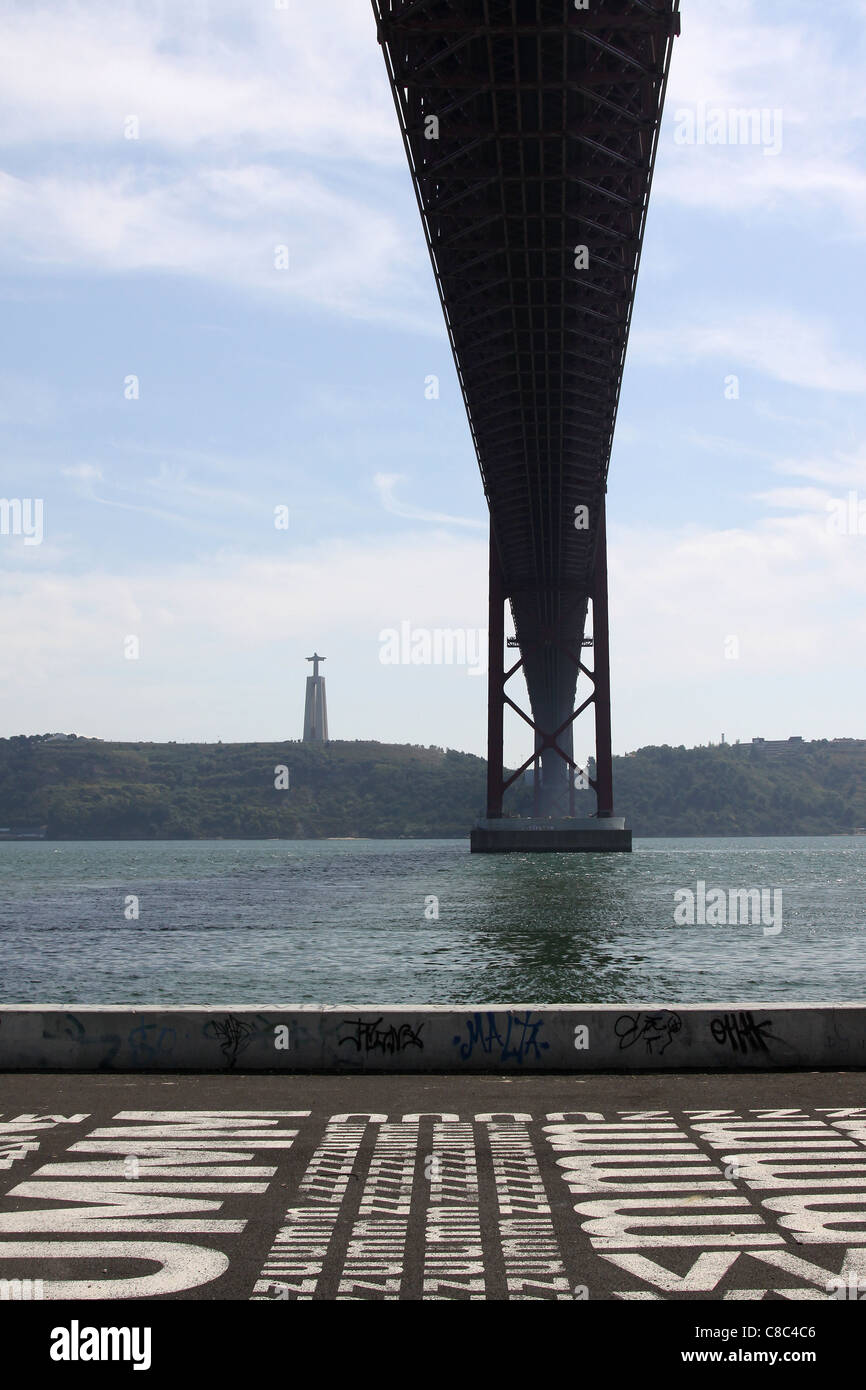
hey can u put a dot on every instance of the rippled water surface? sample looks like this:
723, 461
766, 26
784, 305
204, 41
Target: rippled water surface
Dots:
344, 922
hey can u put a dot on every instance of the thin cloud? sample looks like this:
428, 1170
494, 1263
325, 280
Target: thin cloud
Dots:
227, 105
385, 484
841, 470
299, 79
781, 345
799, 499
289, 237
730, 57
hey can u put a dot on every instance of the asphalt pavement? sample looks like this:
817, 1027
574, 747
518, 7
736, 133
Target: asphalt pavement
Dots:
332, 1187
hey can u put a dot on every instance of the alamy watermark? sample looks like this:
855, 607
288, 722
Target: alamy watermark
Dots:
77, 1343
437, 646
702, 124
738, 907
21, 1290
846, 516
22, 516
853, 1287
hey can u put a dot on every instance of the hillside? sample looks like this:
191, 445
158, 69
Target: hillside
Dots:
816, 788
87, 789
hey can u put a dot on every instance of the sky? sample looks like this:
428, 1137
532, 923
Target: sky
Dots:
219, 331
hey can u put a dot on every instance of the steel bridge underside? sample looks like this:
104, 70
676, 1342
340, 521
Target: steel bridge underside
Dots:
531, 129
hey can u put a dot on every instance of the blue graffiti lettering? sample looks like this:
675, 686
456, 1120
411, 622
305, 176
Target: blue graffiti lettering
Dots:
516, 1042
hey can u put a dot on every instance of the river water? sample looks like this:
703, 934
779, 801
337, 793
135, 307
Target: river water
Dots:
355, 922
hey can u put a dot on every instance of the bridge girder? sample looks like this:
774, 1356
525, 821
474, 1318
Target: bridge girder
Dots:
531, 129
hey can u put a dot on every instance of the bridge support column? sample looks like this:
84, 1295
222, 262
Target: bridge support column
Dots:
495, 685
601, 675
499, 834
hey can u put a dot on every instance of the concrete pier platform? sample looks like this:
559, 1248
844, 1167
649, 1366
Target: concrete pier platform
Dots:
575, 835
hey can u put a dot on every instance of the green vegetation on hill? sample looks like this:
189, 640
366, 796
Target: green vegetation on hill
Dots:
814, 788
87, 789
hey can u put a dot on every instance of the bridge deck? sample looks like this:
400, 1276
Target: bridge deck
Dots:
531, 129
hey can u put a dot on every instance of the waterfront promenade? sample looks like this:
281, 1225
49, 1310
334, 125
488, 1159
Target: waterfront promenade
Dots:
565, 1187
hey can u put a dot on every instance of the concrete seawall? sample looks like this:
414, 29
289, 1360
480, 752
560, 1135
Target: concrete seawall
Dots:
408, 1038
